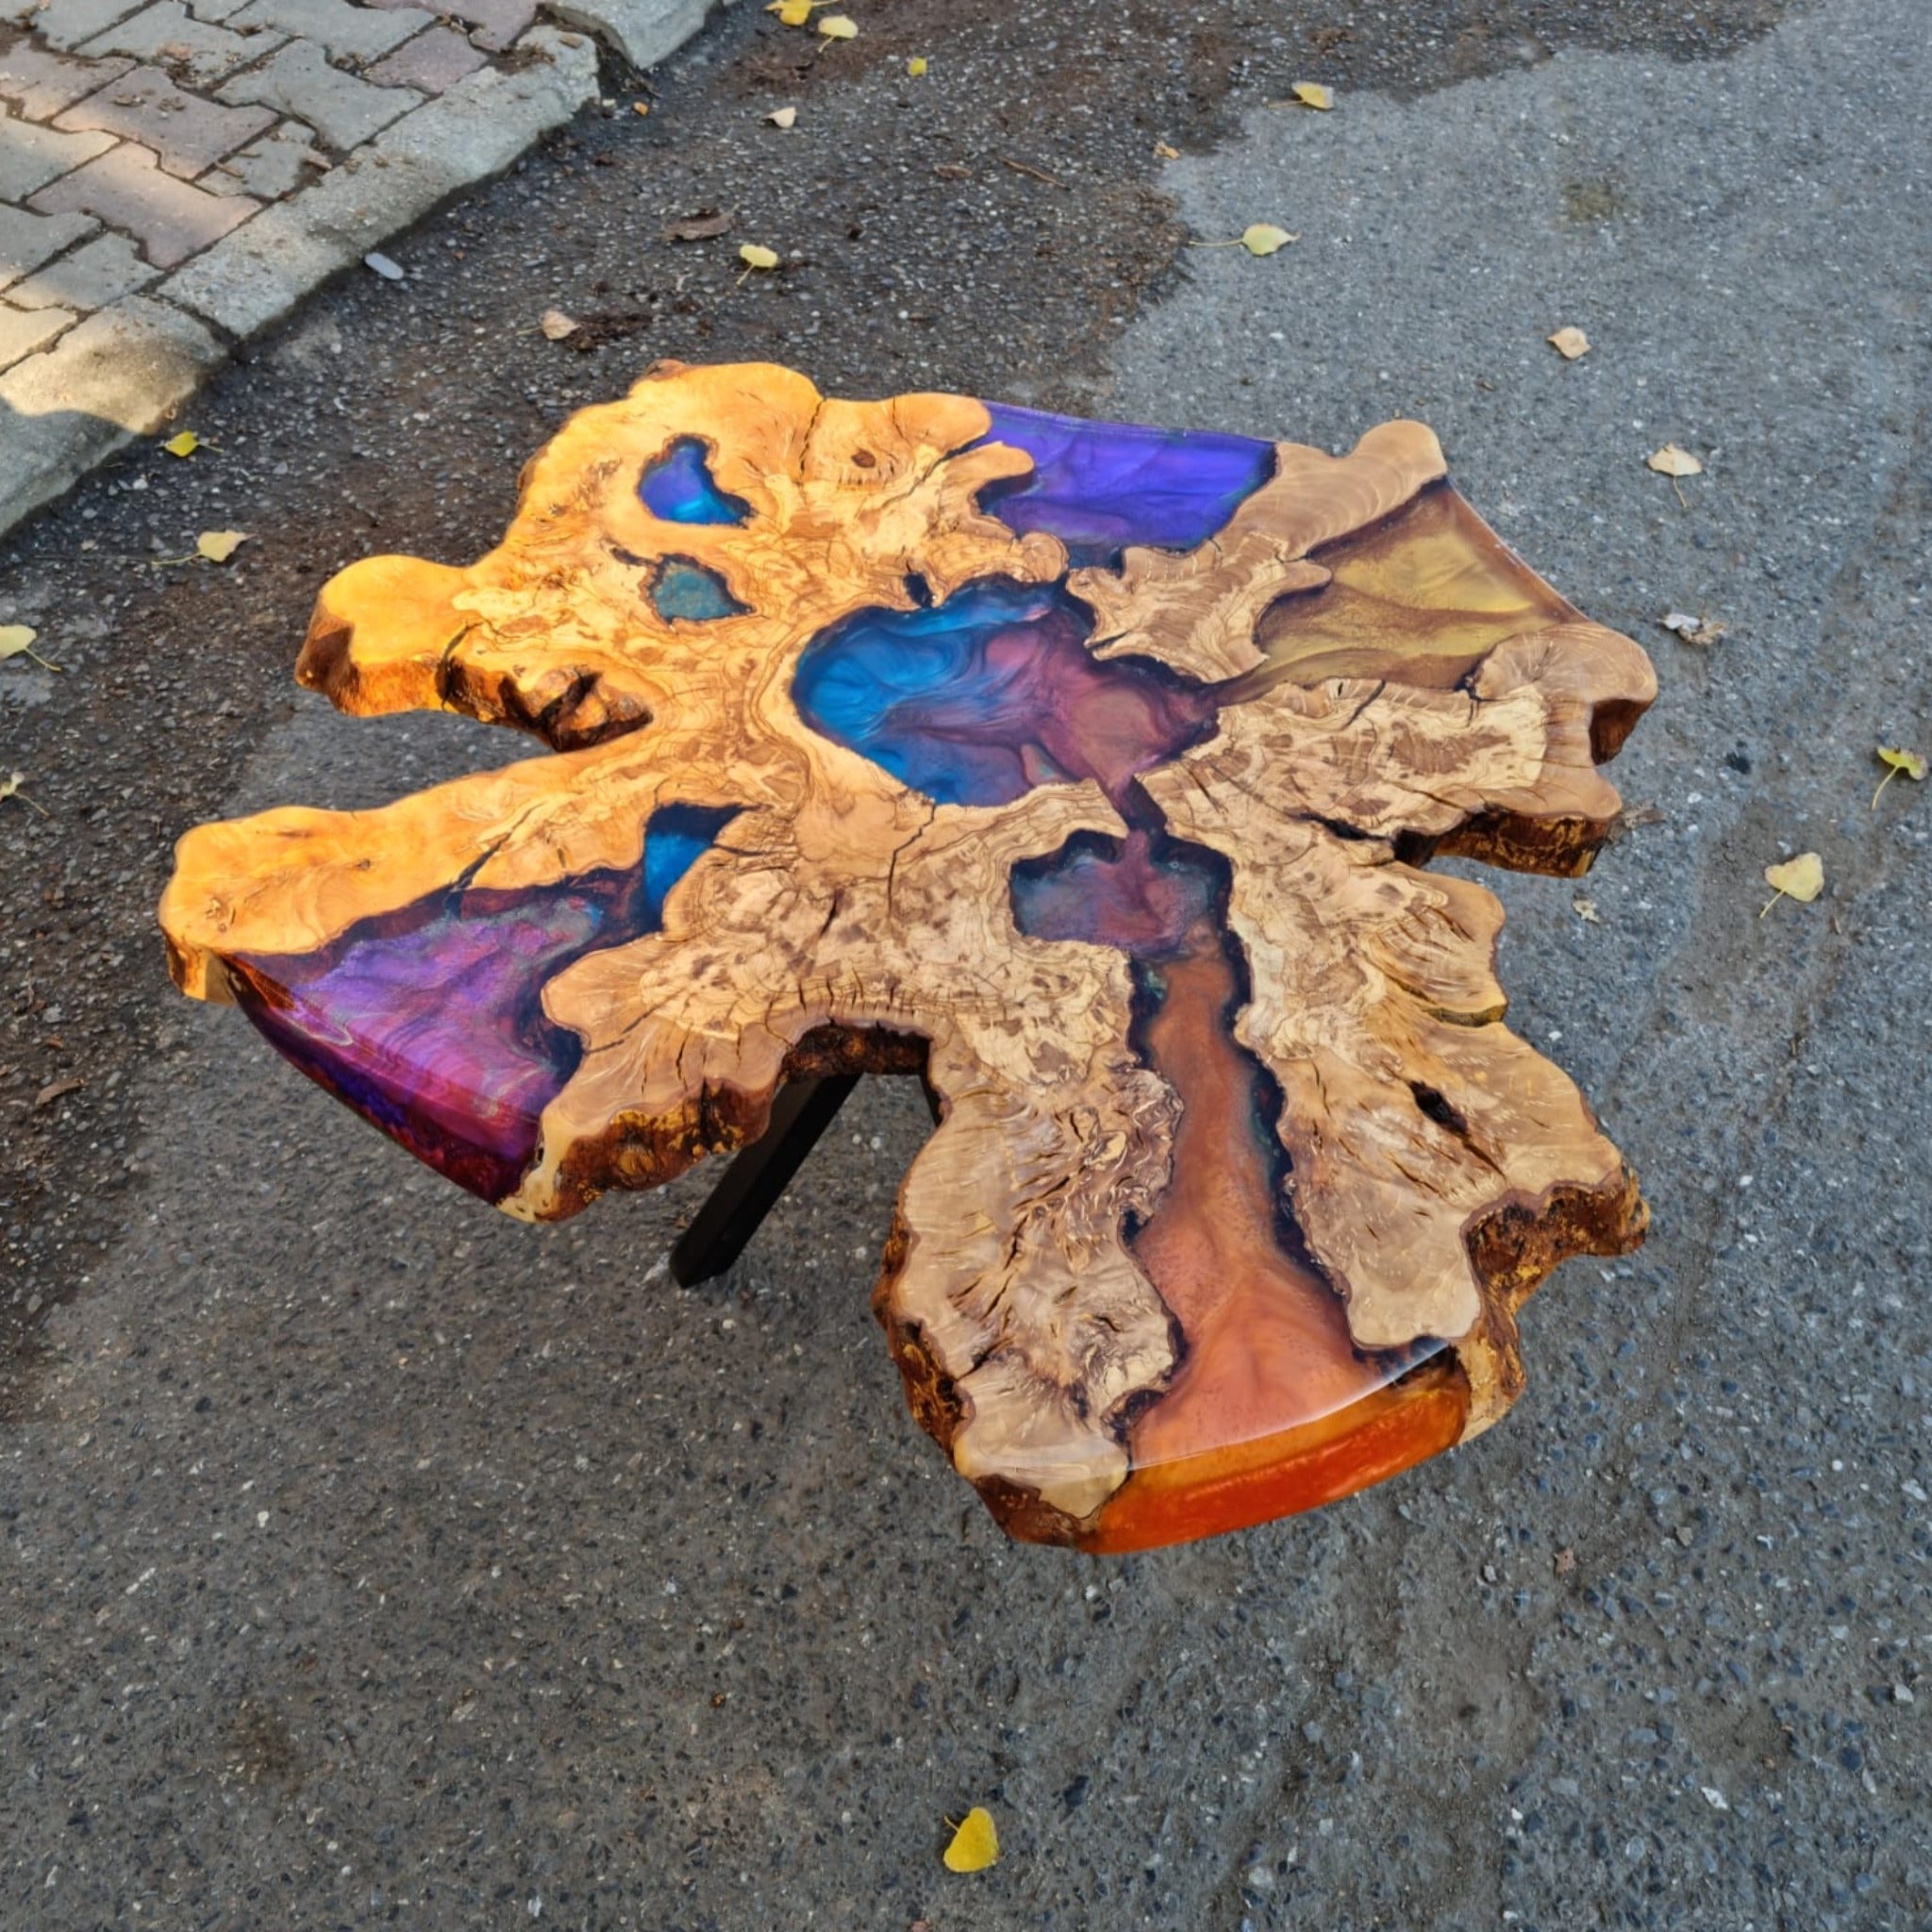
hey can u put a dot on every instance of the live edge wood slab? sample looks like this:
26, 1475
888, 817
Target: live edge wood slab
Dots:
1089, 773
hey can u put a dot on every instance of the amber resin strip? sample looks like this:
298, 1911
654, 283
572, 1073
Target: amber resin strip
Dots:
1092, 771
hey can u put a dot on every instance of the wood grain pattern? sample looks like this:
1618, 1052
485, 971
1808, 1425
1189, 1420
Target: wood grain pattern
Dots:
1239, 1178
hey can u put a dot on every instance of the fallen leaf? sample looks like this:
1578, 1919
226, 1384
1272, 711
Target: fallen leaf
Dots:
17, 640
1569, 342
791, 12
57, 1089
1673, 461
1800, 878
1895, 758
1585, 909
1693, 631
184, 444
1028, 168
390, 271
1163, 152
1563, 1563
916, 66
838, 27
700, 226
219, 546
641, 107
1311, 94
557, 324
1264, 238
754, 255
975, 1842
782, 117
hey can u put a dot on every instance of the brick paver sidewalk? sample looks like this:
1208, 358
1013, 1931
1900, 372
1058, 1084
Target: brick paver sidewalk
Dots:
176, 175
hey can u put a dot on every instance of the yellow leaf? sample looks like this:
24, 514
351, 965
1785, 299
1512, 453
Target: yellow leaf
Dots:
219, 546
975, 1842
837, 26
1584, 908
752, 255
791, 12
17, 639
641, 107
916, 66
1166, 153
1569, 342
1892, 757
557, 324
1673, 461
1800, 878
185, 444
11, 788
1311, 94
1264, 238
782, 117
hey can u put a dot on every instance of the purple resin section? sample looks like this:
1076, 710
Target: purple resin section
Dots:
1099, 487
977, 700
429, 1023
1143, 895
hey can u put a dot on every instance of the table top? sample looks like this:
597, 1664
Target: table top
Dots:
1091, 771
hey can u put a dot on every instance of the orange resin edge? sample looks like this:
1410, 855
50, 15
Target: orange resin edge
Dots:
1242, 1484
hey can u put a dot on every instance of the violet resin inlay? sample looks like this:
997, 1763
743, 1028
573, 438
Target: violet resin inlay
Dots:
977, 700
429, 1021
1099, 487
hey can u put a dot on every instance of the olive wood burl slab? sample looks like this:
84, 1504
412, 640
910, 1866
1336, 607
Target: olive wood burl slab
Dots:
1091, 773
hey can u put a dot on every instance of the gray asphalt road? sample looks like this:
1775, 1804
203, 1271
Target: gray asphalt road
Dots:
370, 1559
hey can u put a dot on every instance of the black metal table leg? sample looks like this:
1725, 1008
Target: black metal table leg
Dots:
750, 1187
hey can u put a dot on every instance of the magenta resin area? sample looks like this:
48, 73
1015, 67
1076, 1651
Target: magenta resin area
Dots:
429, 1021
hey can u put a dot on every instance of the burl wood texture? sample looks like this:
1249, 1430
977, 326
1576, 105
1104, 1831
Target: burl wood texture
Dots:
1094, 771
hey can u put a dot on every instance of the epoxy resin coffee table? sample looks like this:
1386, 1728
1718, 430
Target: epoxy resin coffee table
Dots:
1086, 770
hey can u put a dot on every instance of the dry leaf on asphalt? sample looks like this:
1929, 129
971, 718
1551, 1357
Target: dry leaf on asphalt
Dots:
57, 1089
838, 27
1800, 878
1584, 908
916, 66
1264, 238
219, 546
641, 107
17, 640
1163, 152
975, 1842
1673, 461
1311, 94
1693, 631
1897, 760
11, 788
754, 255
782, 117
557, 324
701, 227
185, 444
1569, 342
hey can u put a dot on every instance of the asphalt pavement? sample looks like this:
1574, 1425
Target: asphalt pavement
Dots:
370, 1559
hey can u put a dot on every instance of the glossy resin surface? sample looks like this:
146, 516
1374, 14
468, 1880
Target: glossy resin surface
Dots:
1102, 761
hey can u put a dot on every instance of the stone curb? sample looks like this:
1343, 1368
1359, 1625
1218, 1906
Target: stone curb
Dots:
253, 277
121, 373
114, 377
